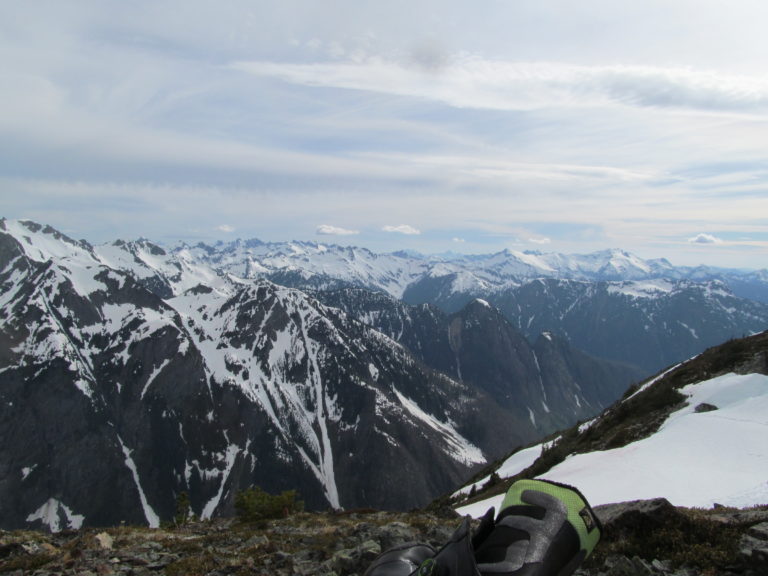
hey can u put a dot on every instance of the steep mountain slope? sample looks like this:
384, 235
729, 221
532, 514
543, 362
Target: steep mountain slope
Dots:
114, 401
651, 324
540, 388
695, 435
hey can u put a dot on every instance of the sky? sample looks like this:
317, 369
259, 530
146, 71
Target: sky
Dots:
435, 126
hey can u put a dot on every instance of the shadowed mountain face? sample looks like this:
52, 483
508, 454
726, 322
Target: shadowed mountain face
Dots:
129, 375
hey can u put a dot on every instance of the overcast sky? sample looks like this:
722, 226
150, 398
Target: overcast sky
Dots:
553, 125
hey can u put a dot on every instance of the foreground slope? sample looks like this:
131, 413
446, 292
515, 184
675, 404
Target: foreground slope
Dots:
695, 435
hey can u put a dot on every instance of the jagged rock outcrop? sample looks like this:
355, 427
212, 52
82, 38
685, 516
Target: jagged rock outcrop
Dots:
654, 538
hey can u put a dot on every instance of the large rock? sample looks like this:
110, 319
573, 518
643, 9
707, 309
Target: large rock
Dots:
637, 515
754, 546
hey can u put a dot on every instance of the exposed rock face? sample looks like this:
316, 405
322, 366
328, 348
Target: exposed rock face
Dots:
114, 401
666, 541
536, 389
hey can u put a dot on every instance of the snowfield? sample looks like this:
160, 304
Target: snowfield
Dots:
694, 460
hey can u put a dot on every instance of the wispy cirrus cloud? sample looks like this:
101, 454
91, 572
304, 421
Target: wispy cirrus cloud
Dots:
472, 82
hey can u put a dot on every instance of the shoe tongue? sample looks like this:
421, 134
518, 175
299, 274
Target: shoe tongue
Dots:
484, 529
505, 546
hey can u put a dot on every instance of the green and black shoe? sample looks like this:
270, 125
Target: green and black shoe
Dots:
543, 529
400, 561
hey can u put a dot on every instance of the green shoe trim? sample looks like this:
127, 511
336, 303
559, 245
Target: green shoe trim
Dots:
580, 514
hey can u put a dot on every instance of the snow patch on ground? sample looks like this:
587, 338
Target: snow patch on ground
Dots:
515, 464
643, 289
229, 458
694, 460
154, 375
27, 470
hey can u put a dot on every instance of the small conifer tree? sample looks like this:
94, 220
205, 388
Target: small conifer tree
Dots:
183, 509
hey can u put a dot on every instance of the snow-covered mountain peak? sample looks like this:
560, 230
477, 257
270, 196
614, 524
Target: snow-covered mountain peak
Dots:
43, 243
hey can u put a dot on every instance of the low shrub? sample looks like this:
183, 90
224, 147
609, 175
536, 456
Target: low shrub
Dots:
255, 504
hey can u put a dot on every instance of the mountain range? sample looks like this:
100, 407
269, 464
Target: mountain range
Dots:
130, 373
609, 304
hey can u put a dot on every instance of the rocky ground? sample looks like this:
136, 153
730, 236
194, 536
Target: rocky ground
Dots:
649, 538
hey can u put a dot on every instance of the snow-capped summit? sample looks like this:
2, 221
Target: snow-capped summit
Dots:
43, 243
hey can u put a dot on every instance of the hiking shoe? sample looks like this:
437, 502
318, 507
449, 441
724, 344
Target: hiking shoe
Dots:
543, 529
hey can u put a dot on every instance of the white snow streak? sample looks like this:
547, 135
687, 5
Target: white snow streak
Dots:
50, 515
231, 455
458, 447
154, 375
152, 518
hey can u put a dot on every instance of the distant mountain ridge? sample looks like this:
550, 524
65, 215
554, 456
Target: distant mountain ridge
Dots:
130, 374
394, 272
611, 304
